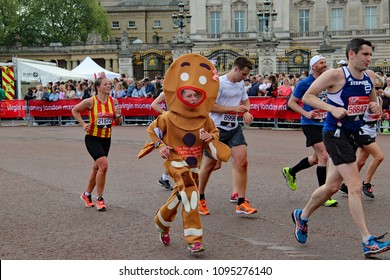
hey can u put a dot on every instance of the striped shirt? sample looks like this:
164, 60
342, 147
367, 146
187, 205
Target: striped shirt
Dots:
100, 117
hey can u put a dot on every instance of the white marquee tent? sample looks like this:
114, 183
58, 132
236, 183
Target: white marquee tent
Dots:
92, 69
28, 70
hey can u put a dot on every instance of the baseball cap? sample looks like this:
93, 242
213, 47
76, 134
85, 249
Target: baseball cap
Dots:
314, 60
342, 62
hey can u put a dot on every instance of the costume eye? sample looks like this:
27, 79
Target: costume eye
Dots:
184, 76
202, 80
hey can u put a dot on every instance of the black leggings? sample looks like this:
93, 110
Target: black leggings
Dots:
97, 146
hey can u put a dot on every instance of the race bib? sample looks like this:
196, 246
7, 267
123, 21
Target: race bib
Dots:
228, 120
104, 122
320, 115
357, 105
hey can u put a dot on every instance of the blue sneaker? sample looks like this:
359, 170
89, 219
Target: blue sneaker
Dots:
375, 247
300, 226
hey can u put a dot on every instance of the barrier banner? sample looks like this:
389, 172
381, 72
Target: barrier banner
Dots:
269, 107
135, 107
60, 108
12, 109
261, 108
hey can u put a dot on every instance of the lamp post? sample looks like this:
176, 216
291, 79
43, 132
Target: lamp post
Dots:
264, 16
267, 41
181, 44
179, 19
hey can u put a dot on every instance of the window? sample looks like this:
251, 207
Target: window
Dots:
303, 20
239, 21
337, 19
115, 25
370, 15
215, 22
157, 24
132, 24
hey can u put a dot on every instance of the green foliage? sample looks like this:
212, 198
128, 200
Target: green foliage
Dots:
8, 20
43, 22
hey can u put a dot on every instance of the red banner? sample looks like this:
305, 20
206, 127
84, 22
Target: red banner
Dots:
39, 108
269, 107
261, 108
12, 109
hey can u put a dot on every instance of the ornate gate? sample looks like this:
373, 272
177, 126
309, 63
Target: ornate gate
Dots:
149, 64
297, 59
224, 56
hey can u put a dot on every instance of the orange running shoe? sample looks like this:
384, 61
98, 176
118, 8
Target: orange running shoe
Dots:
245, 208
203, 210
100, 205
87, 200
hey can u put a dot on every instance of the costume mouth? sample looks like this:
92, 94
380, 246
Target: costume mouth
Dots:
201, 95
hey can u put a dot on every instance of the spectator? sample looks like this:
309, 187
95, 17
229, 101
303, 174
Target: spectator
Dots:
118, 91
248, 85
285, 89
79, 91
159, 86
272, 89
139, 91
2, 94
54, 96
39, 92
149, 87
30, 94
62, 92
70, 91
86, 90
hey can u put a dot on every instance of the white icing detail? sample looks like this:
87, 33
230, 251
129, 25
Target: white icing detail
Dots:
186, 203
162, 221
184, 76
173, 203
194, 200
202, 80
193, 232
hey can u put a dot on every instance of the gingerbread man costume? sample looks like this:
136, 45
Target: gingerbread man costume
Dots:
180, 129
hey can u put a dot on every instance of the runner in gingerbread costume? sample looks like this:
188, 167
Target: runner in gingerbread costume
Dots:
181, 134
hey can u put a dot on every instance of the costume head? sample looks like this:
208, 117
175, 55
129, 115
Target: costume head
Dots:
194, 72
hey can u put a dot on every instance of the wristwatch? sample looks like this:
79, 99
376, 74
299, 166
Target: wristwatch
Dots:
157, 144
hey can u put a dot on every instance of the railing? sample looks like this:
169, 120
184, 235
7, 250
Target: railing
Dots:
268, 112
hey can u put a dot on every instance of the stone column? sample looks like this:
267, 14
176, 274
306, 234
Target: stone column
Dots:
180, 47
126, 63
267, 56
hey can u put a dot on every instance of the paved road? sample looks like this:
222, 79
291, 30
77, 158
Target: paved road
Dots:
43, 170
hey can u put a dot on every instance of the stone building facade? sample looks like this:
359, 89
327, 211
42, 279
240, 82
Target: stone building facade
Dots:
145, 41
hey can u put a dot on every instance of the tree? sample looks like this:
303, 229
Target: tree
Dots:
40, 22
8, 20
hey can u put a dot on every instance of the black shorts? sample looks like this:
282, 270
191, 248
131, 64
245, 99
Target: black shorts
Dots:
341, 149
313, 134
365, 140
97, 146
234, 137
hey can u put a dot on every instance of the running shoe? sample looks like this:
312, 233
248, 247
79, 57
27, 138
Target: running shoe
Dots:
290, 180
195, 247
343, 189
87, 200
300, 226
245, 208
234, 197
100, 205
164, 237
367, 190
203, 210
165, 184
374, 246
330, 202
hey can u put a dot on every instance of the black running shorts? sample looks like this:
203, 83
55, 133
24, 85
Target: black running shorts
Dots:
97, 146
365, 140
341, 149
313, 134
234, 137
